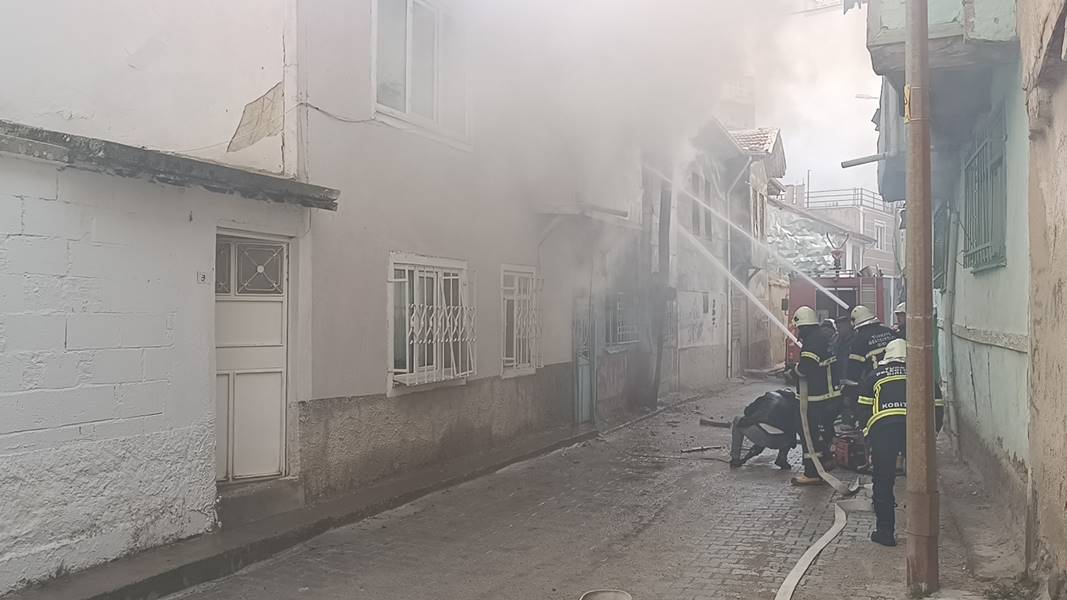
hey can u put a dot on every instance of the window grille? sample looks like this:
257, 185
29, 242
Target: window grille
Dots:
621, 318
249, 268
433, 324
520, 299
985, 197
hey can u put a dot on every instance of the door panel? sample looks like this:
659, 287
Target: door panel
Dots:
251, 359
258, 402
249, 323
222, 424
584, 353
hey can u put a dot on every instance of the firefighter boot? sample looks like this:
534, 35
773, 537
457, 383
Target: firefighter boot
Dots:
884, 537
783, 460
885, 525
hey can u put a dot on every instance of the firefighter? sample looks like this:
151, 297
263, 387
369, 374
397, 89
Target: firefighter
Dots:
884, 406
900, 316
843, 344
816, 365
865, 351
769, 422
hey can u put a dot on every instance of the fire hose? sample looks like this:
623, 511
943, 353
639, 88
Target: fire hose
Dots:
792, 580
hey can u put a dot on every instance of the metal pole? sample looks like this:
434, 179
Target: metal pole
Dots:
923, 501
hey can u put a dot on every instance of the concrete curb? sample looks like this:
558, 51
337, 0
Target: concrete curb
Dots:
184, 564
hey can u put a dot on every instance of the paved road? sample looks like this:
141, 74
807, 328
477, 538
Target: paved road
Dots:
627, 511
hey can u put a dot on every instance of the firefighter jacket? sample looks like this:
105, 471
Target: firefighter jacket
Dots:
817, 365
777, 409
866, 350
884, 398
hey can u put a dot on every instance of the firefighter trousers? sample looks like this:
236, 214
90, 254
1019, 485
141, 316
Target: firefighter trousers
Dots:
821, 416
887, 441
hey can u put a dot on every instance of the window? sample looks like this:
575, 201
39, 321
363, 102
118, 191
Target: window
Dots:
421, 75
708, 229
249, 268
433, 325
696, 185
621, 319
985, 197
521, 329
758, 212
707, 302
879, 237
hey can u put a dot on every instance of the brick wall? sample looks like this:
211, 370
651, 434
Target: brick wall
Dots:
106, 363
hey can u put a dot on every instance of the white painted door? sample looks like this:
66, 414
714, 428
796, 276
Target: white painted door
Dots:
251, 281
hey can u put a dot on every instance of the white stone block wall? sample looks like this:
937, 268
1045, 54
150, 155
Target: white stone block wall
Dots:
107, 363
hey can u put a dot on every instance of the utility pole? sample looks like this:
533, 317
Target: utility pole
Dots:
923, 500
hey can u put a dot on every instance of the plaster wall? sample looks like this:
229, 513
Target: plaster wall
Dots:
174, 76
1047, 105
992, 306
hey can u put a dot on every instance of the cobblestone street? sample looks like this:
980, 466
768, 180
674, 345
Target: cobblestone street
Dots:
628, 511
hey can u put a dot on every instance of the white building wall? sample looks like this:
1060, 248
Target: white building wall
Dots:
106, 362
168, 75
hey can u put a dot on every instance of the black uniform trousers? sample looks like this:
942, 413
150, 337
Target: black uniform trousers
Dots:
887, 440
821, 417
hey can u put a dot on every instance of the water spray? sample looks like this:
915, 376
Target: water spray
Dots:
751, 237
737, 283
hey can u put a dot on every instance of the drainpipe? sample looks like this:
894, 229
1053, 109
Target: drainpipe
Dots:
949, 297
729, 265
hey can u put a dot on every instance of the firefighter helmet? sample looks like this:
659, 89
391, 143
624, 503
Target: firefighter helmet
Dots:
902, 308
805, 315
861, 315
895, 351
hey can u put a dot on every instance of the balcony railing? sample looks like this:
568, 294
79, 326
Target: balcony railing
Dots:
847, 198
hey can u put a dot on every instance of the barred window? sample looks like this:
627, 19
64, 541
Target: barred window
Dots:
985, 197
520, 305
433, 325
621, 318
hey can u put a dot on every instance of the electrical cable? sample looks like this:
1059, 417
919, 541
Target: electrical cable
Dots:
278, 121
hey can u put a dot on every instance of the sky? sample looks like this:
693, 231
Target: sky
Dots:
824, 64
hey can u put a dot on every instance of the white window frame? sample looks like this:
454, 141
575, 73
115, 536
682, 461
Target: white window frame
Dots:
452, 332
525, 313
407, 119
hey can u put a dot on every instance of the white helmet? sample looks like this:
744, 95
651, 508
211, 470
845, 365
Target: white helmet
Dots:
805, 315
901, 308
861, 315
895, 351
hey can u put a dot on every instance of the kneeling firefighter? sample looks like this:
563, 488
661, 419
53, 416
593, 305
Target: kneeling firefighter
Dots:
883, 403
817, 367
769, 422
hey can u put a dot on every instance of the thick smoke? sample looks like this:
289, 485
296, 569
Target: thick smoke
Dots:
585, 83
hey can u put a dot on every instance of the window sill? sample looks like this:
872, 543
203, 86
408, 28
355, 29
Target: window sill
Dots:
400, 388
620, 347
988, 268
419, 126
513, 372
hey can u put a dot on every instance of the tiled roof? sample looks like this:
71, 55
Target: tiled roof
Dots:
756, 141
